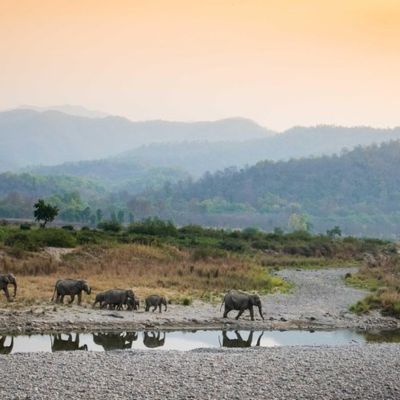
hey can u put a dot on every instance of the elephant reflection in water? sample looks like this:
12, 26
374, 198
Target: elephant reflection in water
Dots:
6, 349
115, 341
239, 341
69, 344
153, 339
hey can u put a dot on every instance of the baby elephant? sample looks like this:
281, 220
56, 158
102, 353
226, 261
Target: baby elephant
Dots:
155, 301
5, 280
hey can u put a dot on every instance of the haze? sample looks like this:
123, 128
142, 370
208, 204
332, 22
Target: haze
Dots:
282, 63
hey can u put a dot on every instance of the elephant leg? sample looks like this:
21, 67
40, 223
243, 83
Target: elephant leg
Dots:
251, 313
226, 311
62, 298
159, 306
79, 298
72, 299
239, 314
6, 293
155, 308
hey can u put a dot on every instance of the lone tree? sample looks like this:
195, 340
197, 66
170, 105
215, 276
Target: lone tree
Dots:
44, 213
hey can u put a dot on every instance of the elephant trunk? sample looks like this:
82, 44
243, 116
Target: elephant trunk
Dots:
165, 306
260, 311
15, 288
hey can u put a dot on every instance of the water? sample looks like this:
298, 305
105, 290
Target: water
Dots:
186, 340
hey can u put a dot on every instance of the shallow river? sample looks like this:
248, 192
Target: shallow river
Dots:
186, 340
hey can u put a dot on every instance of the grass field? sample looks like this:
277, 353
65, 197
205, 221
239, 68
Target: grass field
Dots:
156, 257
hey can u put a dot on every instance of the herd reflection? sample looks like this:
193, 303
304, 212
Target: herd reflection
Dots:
185, 340
124, 340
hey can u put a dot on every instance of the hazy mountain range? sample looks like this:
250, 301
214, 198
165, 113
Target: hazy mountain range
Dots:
29, 137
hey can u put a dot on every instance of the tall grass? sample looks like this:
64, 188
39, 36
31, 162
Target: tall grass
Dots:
147, 269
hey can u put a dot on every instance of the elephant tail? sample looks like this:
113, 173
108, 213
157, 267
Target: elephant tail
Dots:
223, 302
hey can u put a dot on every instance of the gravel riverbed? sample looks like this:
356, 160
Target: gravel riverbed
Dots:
350, 372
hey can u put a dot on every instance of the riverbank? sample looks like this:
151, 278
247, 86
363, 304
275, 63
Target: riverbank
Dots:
319, 300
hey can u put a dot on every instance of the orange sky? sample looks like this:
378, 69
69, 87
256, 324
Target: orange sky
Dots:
281, 63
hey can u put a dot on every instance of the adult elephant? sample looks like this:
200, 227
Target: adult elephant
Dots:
70, 287
5, 280
155, 301
114, 298
241, 301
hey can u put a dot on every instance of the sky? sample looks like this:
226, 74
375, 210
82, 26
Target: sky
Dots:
281, 63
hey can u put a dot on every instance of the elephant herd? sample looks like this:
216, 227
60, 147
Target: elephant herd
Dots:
120, 299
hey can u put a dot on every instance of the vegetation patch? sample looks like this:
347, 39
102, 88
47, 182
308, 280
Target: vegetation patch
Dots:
381, 275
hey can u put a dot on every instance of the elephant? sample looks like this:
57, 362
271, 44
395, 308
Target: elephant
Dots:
5, 280
155, 301
60, 344
115, 341
70, 287
132, 304
239, 341
153, 339
114, 298
237, 300
6, 349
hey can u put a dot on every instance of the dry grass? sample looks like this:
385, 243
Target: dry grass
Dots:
380, 274
147, 269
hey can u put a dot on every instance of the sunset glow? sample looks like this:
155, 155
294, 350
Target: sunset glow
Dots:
281, 63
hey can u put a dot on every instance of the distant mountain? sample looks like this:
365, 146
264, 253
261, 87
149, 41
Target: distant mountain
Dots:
30, 137
78, 111
358, 191
299, 142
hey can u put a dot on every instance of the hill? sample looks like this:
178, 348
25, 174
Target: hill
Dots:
300, 142
116, 174
29, 137
359, 191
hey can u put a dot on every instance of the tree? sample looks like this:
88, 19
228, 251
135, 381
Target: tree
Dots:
335, 231
44, 212
99, 215
121, 216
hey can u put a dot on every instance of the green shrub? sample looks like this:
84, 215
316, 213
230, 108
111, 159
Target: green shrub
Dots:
25, 227
53, 237
154, 226
23, 241
110, 226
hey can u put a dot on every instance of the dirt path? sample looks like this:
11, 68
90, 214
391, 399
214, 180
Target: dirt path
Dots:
319, 300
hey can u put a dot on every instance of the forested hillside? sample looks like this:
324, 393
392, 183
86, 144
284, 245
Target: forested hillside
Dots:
359, 191
199, 157
116, 175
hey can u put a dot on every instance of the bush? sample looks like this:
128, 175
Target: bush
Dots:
53, 237
68, 227
22, 241
233, 245
110, 226
25, 227
34, 240
155, 227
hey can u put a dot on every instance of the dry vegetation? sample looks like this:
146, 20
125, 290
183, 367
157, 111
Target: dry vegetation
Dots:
179, 274
381, 275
